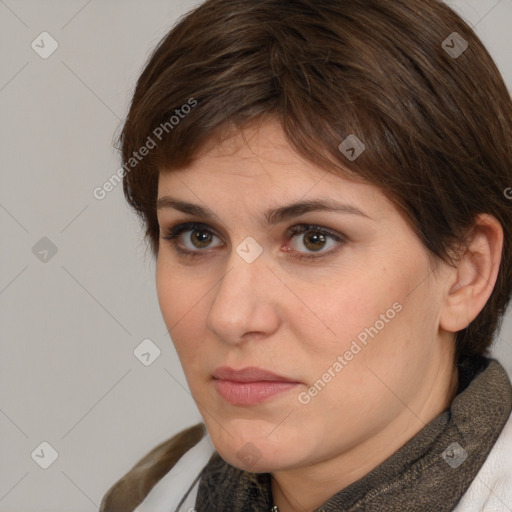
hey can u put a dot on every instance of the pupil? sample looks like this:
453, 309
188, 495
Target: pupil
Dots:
316, 238
204, 239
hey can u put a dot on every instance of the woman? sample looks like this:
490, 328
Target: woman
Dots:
322, 185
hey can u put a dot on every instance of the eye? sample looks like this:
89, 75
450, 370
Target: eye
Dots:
200, 236
315, 238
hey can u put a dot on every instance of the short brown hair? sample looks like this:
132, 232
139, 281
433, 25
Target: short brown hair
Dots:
409, 78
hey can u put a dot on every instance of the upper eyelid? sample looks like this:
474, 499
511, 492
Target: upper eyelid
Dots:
178, 229
191, 225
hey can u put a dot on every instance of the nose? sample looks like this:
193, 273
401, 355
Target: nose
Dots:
246, 302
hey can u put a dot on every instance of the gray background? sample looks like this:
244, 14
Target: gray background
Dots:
70, 323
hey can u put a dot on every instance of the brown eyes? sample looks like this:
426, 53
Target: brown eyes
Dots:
201, 237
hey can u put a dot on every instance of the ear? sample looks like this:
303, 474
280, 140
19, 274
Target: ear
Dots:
471, 282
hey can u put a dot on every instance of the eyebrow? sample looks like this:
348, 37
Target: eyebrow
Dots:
272, 216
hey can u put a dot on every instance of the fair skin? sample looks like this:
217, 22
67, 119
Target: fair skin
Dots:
295, 317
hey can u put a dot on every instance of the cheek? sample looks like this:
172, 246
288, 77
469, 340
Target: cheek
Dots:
180, 305
352, 309
372, 317
385, 338
176, 293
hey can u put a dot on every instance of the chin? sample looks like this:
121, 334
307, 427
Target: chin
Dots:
251, 459
259, 455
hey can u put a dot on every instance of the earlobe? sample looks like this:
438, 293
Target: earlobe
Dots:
474, 276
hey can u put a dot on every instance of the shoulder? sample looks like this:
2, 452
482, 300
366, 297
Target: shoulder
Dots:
491, 490
126, 494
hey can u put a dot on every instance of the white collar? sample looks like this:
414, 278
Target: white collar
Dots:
491, 490
181, 482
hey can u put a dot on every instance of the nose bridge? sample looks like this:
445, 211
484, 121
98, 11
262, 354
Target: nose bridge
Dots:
241, 296
238, 287
246, 267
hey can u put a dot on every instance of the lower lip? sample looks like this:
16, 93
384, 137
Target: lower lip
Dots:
249, 393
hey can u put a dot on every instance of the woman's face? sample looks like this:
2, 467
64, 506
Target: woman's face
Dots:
355, 332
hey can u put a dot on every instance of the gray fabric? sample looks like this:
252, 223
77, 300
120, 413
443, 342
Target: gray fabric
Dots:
416, 478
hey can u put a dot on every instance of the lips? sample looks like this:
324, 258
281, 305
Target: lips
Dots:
249, 374
250, 385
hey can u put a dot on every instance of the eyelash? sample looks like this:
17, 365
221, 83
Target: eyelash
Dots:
174, 232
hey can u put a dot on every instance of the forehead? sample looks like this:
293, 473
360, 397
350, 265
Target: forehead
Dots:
257, 169
257, 156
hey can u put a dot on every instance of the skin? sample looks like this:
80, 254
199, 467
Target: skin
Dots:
295, 317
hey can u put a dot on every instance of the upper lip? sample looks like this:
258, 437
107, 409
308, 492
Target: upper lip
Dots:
248, 374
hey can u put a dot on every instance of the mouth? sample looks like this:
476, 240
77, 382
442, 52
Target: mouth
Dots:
250, 385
